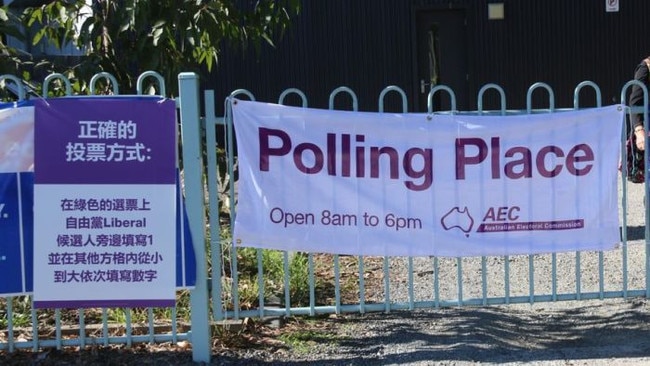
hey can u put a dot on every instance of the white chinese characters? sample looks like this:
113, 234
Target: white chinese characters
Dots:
104, 147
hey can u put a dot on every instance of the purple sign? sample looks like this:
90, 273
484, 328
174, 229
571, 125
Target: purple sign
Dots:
104, 202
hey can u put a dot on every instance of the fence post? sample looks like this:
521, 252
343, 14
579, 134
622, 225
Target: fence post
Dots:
188, 85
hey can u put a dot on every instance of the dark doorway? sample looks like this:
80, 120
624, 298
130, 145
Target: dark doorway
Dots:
441, 58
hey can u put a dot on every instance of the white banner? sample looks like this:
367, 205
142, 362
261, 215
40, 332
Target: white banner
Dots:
415, 184
17, 140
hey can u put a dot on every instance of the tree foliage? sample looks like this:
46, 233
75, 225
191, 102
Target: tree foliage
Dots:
128, 37
9, 25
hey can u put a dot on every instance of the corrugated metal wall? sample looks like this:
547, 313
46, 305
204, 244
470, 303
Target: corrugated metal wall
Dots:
361, 44
561, 43
369, 44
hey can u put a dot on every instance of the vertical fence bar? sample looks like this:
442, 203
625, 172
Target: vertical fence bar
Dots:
554, 276
531, 278
34, 330
645, 185
411, 284
502, 98
386, 270
601, 275
578, 277
230, 151
506, 279
174, 325
82, 328
129, 327
436, 282
646, 206
188, 85
287, 281
484, 279
312, 285
260, 280
105, 326
362, 287
216, 250
151, 325
576, 105
10, 323
57, 329
646, 189
337, 284
459, 280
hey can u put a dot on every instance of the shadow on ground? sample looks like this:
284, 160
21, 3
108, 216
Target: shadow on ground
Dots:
595, 330
618, 330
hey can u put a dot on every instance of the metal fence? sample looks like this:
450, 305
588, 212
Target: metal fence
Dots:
386, 284
330, 284
23, 327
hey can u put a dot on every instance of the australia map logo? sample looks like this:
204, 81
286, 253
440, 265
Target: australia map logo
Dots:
500, 219
458, 219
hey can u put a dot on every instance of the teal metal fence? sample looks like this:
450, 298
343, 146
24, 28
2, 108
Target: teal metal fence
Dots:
332, 284
619, 273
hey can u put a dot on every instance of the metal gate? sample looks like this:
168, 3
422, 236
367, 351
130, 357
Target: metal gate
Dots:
502, 280
333, 284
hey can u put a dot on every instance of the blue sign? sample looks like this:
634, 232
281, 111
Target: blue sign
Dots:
185, 258
16, 229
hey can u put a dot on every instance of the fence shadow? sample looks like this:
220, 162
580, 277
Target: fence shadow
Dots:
601, 330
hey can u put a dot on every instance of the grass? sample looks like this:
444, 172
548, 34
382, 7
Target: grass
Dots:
21, 309
305, 334
300, 334
273, 276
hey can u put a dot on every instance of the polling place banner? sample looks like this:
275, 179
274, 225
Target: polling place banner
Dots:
414, 184
104, 202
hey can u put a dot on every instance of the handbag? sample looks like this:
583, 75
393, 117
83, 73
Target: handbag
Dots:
635, 161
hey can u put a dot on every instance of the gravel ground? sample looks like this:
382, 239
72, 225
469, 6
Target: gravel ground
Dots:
589, 333
592, 332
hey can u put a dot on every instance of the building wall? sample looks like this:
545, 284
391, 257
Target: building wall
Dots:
369, 44
561, 43
361, 44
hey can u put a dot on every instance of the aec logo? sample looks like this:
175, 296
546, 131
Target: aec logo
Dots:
462, 220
